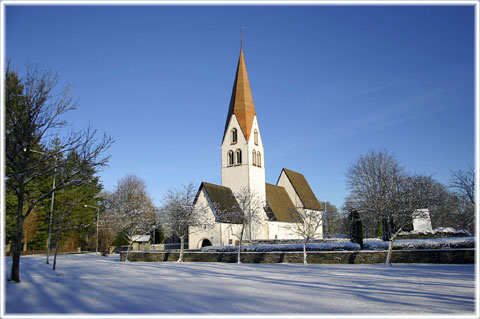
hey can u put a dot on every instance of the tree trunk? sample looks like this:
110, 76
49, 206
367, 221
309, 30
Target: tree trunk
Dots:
25, 243
385, 228
182, 243
304, 252
239, 261
128, 250
17, 240
55, 256
389, 254
388, 262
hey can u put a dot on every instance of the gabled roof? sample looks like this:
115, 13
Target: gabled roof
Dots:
279, 203
223, 199
241, 102
302, 189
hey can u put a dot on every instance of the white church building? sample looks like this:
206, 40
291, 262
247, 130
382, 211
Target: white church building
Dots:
243, 167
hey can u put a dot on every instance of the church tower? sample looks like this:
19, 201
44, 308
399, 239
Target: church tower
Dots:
243, 159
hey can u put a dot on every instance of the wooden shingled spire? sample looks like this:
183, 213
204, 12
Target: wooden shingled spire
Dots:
241, 103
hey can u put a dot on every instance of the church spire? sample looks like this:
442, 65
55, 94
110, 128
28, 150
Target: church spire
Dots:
241, 102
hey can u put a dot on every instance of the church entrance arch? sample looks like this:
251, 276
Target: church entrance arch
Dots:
205, 243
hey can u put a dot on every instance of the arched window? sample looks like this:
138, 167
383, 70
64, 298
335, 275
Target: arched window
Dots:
254, 157
255, 137
230, 158
233, 136
259, 159
239, 157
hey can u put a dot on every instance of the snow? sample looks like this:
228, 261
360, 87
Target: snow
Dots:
369, 244
140, 238
449, 231
434, 243
286, 247
89, 284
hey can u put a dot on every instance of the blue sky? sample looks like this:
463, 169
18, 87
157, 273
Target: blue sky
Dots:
329, 84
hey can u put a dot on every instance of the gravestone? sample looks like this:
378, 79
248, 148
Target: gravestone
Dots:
421, 220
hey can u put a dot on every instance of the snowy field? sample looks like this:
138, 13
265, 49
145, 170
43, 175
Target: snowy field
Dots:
93, 284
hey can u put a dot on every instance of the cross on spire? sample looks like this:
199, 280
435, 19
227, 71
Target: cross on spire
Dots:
241, 33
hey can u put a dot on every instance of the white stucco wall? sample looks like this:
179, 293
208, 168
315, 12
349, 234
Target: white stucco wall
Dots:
284, 230
235, 177
285, 182
281, 230
246, 175
219, 234
319, 231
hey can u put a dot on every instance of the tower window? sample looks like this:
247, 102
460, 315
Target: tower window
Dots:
233, 136
239, 157
254, 157
259, 159
230, 158
255, 137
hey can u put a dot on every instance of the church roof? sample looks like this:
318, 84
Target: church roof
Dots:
302, 189
241, 102
279, 203
223, 199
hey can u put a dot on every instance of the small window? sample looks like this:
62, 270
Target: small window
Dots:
230, 241
233, 136
239, 157
255, 137
230, 158
259, 159
254, 157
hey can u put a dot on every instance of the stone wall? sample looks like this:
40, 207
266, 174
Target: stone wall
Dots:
437, 256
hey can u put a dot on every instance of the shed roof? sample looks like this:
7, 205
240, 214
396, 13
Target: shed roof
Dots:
302, 189
280, 203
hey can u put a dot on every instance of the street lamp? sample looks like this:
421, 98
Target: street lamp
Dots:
98, 211
51, 204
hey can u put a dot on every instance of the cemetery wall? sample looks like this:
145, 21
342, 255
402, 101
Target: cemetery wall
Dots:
435, 256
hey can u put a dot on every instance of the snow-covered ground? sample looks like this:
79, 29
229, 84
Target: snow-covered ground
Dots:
93, 284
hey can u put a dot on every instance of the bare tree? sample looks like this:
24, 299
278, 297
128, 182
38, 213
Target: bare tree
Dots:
462, 183
179, 214
130, 209
247, 215
331, 219
382, 190
306, 225
375, 181
33, 111
65, 222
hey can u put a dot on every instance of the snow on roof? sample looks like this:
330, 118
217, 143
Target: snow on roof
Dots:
141, 238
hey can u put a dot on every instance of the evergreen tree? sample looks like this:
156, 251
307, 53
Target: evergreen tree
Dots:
356, 227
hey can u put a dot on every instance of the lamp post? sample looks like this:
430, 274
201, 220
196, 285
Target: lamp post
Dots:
52, 201
98, 213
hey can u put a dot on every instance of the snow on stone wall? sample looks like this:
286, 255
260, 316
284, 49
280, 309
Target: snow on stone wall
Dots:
434, 243
286, 247
437, 243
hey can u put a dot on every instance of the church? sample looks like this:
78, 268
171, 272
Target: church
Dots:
243, 168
